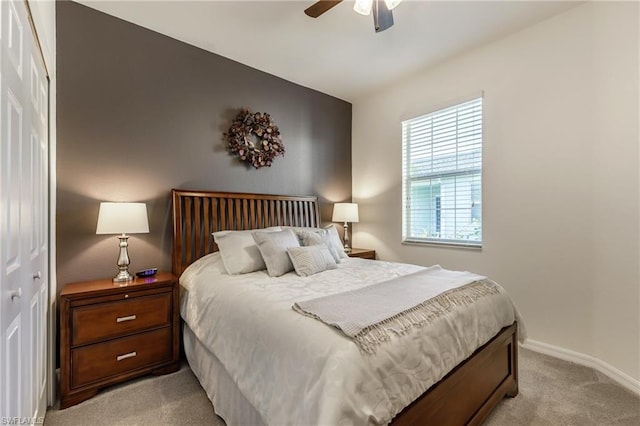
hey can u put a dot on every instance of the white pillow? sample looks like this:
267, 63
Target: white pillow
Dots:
335, 243
311, 259
301, 231
273, 248
239, 252
312, 238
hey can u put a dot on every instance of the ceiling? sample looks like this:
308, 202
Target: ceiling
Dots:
338, 53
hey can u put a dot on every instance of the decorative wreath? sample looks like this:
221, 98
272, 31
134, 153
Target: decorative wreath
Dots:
254, 138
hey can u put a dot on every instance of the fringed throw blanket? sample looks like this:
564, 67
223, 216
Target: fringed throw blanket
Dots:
370, 314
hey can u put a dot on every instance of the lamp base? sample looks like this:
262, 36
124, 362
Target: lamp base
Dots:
123, 261
347, 247
123, 277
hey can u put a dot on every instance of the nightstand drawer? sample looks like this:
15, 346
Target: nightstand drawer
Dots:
103, 360
363, 253
93, 323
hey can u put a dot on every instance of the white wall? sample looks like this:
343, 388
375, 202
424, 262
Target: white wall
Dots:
561, 184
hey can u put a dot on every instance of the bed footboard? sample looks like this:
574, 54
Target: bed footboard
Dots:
470, 391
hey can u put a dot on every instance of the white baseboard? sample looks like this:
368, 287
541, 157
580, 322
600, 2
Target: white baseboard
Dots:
586, 360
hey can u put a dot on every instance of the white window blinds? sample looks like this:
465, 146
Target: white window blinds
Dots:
442, 176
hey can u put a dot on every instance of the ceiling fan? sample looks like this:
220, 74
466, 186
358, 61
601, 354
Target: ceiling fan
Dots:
382, 15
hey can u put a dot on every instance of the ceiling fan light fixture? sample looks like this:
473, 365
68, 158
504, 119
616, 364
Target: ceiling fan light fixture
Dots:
363, 7
392, 3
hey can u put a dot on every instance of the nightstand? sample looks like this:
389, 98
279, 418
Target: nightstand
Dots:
362, 253
112, 332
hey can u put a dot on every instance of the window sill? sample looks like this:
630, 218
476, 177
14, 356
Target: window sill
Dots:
449, 244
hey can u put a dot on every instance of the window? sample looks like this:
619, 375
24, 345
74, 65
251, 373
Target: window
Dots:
442, 176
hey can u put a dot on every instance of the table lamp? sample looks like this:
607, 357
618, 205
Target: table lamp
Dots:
345, 212
123, 219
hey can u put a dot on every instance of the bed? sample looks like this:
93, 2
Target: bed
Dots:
465, 394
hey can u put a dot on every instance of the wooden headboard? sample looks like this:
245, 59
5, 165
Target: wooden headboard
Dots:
197, 214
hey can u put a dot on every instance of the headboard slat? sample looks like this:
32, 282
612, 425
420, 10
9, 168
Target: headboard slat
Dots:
252, 213
295, 213
197, 214
272, 212
197, 225
258, 213
245, 215
278, 213
188, 229
223, 215
215, 204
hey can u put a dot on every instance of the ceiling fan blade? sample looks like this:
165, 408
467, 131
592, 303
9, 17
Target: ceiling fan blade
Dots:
320, 7
382, 16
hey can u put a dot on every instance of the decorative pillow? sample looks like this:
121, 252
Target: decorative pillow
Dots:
313, 238
273, 248
239, 252
301, 231
335, 243
311, 259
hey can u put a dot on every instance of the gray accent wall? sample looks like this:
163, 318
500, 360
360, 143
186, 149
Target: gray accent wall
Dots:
140, 113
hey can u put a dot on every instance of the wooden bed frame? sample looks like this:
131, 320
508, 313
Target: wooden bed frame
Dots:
466, 395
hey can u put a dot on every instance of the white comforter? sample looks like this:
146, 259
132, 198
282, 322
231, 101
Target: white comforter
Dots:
295, 370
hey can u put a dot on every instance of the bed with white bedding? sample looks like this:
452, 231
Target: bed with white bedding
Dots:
262, 362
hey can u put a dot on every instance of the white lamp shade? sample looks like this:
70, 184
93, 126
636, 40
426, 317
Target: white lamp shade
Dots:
122, 218
345, 212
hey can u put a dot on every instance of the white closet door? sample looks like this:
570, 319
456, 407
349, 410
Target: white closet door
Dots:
23, 216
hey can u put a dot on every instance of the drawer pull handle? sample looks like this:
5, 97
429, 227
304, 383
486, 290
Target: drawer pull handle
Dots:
125, 356
123, 319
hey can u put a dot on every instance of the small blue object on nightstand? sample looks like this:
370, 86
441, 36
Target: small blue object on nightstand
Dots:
147, 272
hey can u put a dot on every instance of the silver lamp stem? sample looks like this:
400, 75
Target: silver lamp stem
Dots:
347, 248
123, 261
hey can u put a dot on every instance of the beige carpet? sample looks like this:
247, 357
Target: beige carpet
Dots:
552, 392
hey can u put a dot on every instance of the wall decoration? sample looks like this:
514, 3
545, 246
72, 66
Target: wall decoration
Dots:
254, 138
